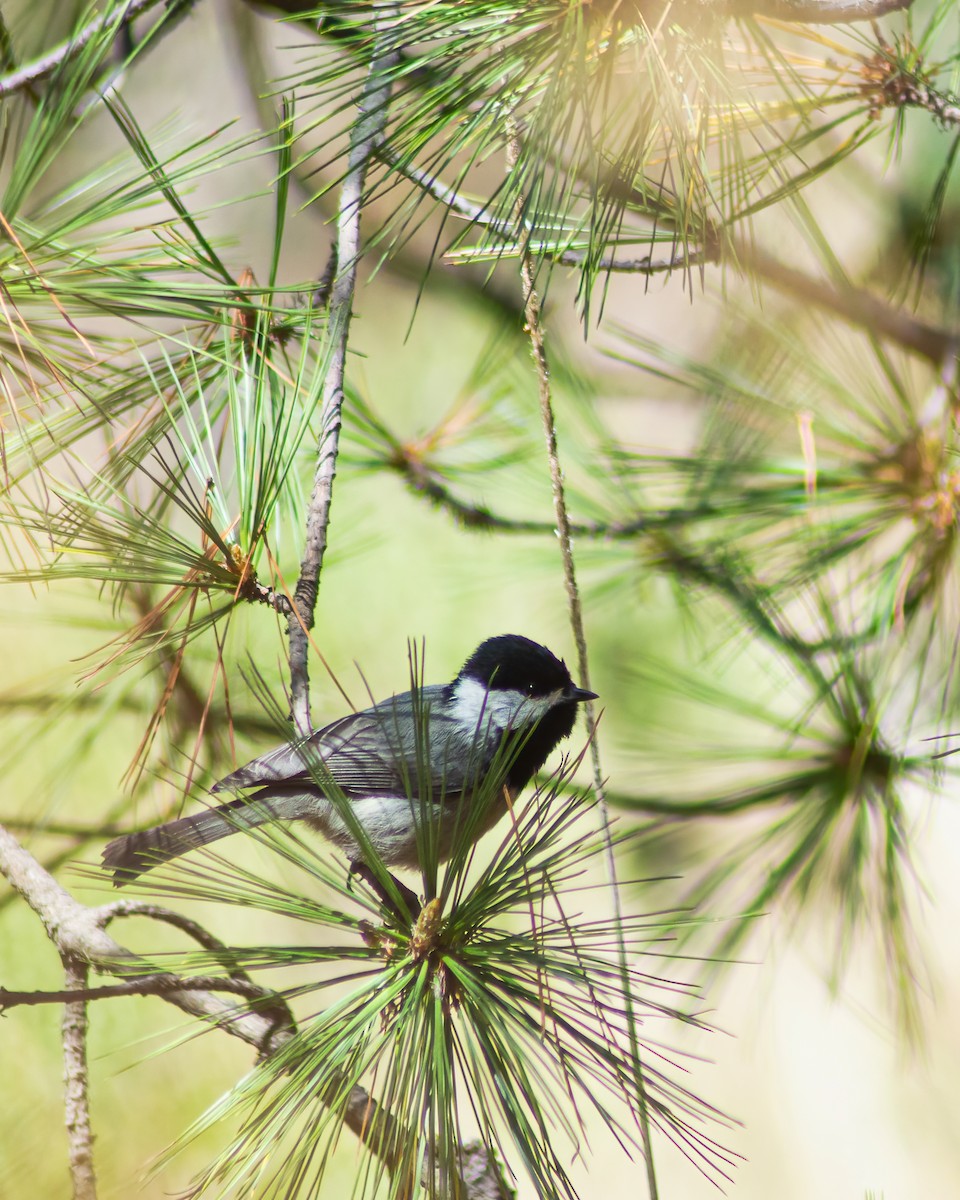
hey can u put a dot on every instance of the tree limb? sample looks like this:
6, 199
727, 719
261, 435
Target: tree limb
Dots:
45, 66
816, 12
76, 1104
513, 243
78, 933
157, 984
366, 134
833, 12
853, 304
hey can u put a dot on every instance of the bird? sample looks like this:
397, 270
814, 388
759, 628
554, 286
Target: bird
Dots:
408, 771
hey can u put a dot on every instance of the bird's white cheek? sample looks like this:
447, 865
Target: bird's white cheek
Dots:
476, 706
471, 701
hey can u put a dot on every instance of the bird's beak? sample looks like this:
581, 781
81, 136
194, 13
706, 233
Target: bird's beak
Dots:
577, 695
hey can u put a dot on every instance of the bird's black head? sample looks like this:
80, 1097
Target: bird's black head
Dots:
518, 686
517, 664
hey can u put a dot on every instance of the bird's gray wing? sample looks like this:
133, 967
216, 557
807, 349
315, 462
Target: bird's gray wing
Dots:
373, 752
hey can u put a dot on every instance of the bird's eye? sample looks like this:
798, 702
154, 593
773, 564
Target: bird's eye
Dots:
530, 688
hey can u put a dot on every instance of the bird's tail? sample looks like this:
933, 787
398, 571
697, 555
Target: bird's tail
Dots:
134, 853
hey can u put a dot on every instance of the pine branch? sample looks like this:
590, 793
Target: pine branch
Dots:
157, 984
78, 933
534, 327
513, 240
817, 12
853, 304
833, 12
48, 64
366, 134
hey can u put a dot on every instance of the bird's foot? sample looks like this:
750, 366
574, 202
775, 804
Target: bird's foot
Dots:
408, 897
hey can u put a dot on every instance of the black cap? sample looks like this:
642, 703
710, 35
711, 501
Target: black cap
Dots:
514, 663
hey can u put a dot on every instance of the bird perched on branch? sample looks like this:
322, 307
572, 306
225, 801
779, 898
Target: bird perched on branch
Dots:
408, 772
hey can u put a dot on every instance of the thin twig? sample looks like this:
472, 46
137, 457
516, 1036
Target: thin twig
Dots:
365, 136
82, 833
78, 933
45, 66
534, 326
816, 12
853, 304
76, 1100
158, 984
425, 481
917, 93
227, 959
512, 239
259, 593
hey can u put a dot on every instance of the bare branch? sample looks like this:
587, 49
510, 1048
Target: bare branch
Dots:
157, 912
853, 304
82, 833
816, 12
366, 134
513, 243
424, 481
481, 1174
75, 1092
917, 93
157, 984
45, 66
78, 934
258, 593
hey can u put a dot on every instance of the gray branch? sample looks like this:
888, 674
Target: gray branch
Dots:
366, 134
45, 66
817, 12
851, 303
144, 985
76, 1105
831, 12
78, 933
518, 244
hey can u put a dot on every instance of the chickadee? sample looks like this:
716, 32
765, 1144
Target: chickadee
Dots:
510, 705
